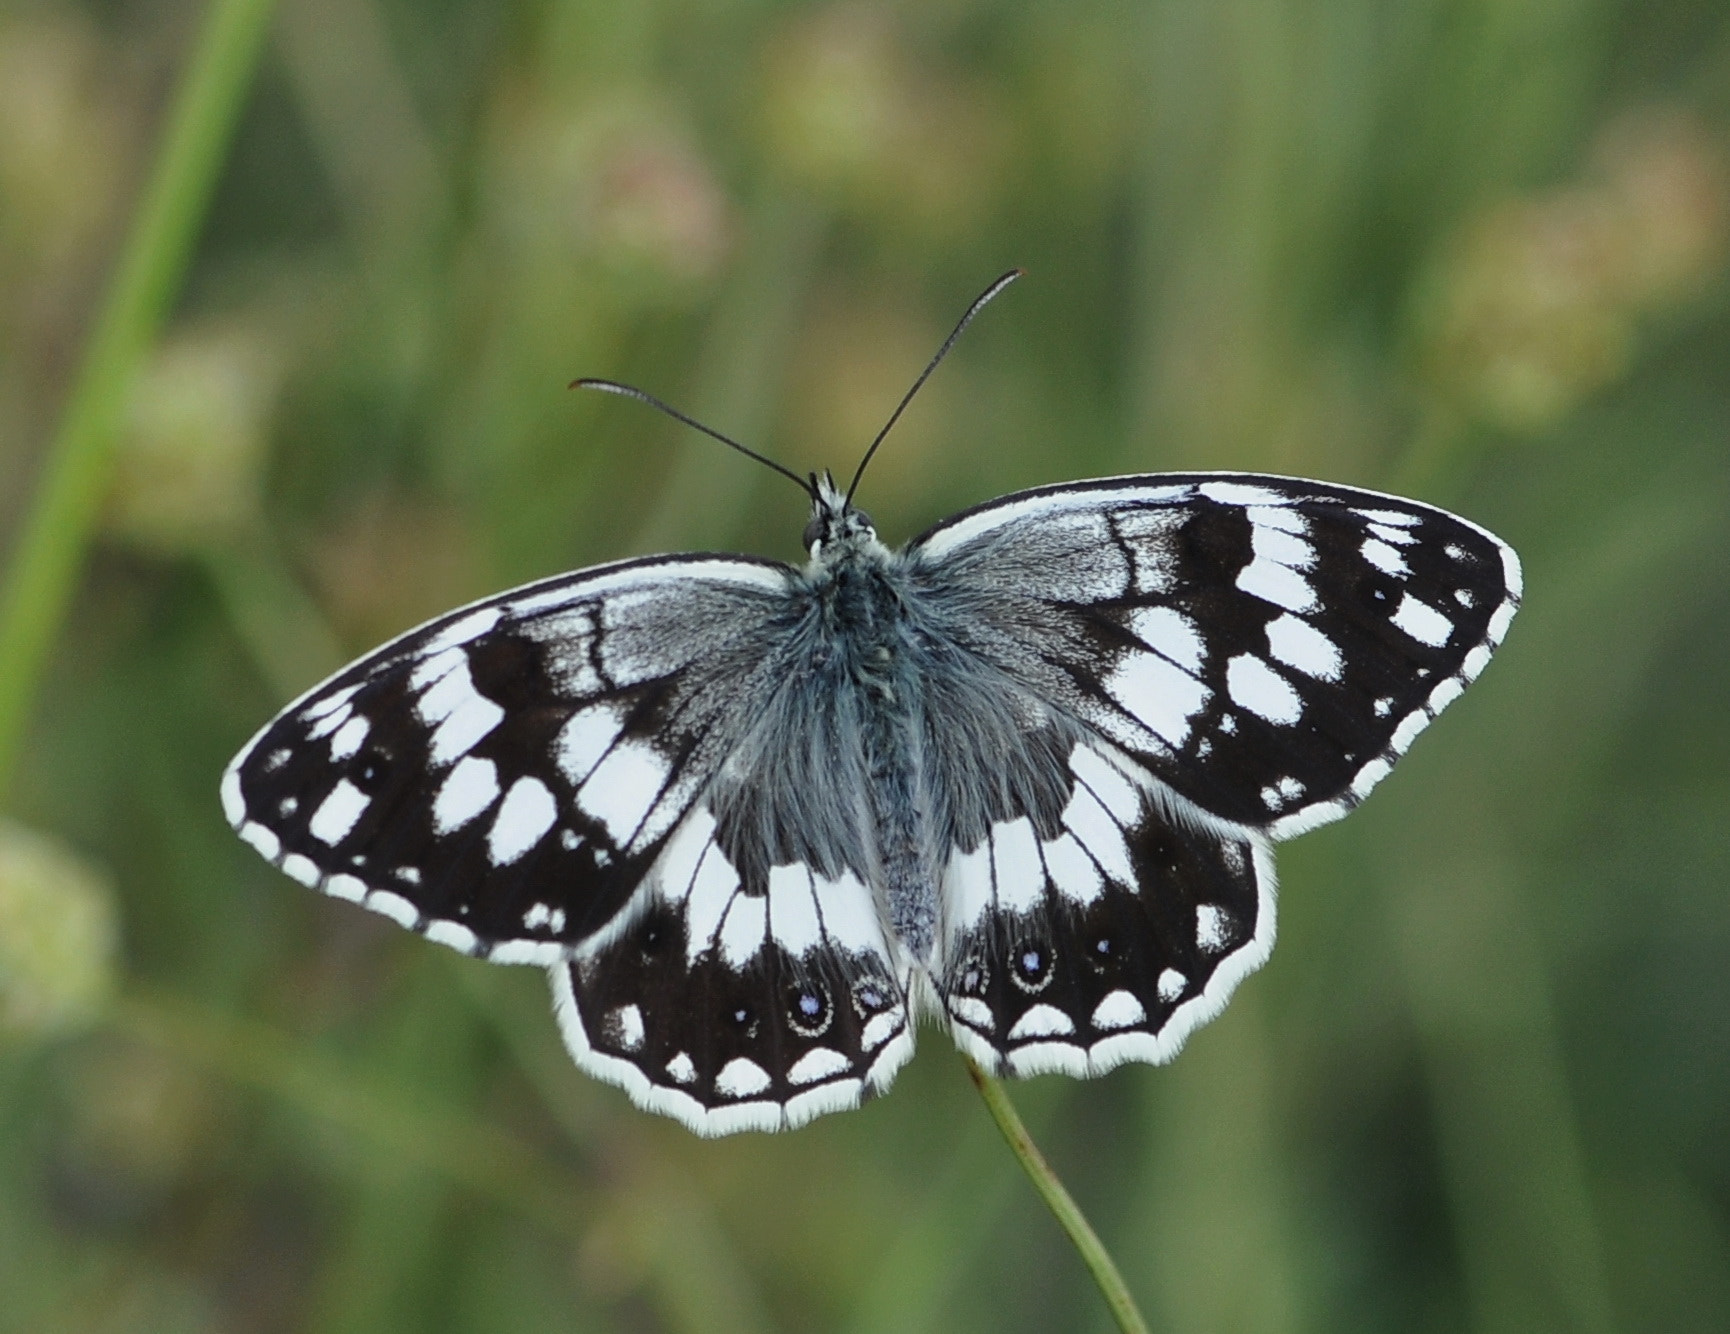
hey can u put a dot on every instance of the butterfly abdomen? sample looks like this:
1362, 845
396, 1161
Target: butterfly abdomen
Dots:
863, 601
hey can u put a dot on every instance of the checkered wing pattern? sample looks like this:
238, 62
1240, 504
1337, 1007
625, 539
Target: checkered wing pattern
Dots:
1266, 647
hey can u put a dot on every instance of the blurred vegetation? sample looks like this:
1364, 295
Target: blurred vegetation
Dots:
1467, 249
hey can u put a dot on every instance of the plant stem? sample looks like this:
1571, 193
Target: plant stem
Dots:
1081, 1234
50, 550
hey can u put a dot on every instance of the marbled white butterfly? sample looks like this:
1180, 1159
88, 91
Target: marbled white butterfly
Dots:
1021, 777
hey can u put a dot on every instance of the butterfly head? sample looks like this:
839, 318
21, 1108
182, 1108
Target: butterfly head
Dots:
837, 529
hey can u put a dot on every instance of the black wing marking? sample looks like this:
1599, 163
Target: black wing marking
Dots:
733, 1004
1108, 939
502, 778
1267, 647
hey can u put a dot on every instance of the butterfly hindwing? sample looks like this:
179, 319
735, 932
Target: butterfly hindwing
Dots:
1265, 646
1106, 939
733, 1002
502, 778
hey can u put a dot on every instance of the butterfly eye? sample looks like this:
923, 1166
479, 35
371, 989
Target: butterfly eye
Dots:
808, 1009
1030, 966
813, 533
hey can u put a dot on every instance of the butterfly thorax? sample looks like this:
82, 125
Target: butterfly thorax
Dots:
859, 593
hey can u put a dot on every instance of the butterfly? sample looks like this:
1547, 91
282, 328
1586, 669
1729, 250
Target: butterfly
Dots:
1021, 777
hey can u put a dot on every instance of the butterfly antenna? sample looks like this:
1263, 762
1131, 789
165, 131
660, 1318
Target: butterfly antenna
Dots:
630, 391
979, 304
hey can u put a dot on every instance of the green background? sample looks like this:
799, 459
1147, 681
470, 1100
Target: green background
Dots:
1471, 251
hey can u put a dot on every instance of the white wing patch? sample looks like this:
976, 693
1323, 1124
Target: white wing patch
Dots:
1299, 644
711, 892
1171, 634
795, 921
1158, 694
524, 817
586, 738
1385, 557
623, 788
1241, 493
338, 813
968, 893
1097, 832
467, 790
468, 724
464, 630
1074, 874
347, 740
1422, 621
1255, 686
1119, 1009
1017, 870
745, 928
1279, 584
460, 714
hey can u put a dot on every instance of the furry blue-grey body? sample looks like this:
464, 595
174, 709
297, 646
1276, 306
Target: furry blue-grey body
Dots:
850, 759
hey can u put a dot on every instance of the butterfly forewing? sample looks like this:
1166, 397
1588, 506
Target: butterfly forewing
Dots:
1265, 646
503, 777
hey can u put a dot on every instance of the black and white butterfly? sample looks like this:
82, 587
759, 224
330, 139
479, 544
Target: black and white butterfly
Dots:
1021, 777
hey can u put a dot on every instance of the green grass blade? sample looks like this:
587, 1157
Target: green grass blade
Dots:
56, 531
